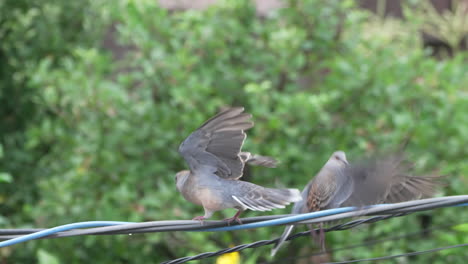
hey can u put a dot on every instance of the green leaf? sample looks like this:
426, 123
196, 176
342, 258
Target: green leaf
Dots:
5, 177
461, 227
45, 257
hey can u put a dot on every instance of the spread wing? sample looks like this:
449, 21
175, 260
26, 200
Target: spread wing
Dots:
217, 143
405, 187
386, 180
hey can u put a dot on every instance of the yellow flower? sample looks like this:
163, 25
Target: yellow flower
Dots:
229, 258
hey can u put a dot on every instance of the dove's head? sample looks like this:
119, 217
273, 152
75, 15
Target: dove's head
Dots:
339, 158
180, 178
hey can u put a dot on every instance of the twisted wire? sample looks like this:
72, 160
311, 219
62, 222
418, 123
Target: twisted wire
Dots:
422, 232
378, 213
260, 243
414, 253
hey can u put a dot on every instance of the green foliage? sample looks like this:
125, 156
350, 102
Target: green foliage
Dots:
45, 258
29, 33
96, 138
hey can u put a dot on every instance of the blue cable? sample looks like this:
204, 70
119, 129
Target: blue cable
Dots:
57, 229
281, 221
284, 220
89, 224
291, 219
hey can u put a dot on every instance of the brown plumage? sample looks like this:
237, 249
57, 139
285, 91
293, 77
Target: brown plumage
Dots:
213, 153
386, 179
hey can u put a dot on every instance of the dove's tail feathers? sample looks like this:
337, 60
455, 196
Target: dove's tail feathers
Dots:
286, 196
266, 199
287, 231
258, 160
412, 187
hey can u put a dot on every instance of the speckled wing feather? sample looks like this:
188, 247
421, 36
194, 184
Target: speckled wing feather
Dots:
329, 189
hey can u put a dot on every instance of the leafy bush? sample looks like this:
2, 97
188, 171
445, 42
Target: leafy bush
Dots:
31, 32
317, 76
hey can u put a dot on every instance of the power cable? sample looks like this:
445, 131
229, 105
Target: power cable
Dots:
401, 255
379, 212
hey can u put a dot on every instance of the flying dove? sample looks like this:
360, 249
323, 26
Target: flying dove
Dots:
372, 181
213, 153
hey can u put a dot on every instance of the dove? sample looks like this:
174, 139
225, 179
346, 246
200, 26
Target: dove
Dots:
213, 154
372, 181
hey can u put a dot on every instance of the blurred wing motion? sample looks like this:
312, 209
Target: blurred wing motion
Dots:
217, 144
387, 180
373, 181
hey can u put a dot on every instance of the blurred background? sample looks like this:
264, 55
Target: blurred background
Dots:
96, 96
